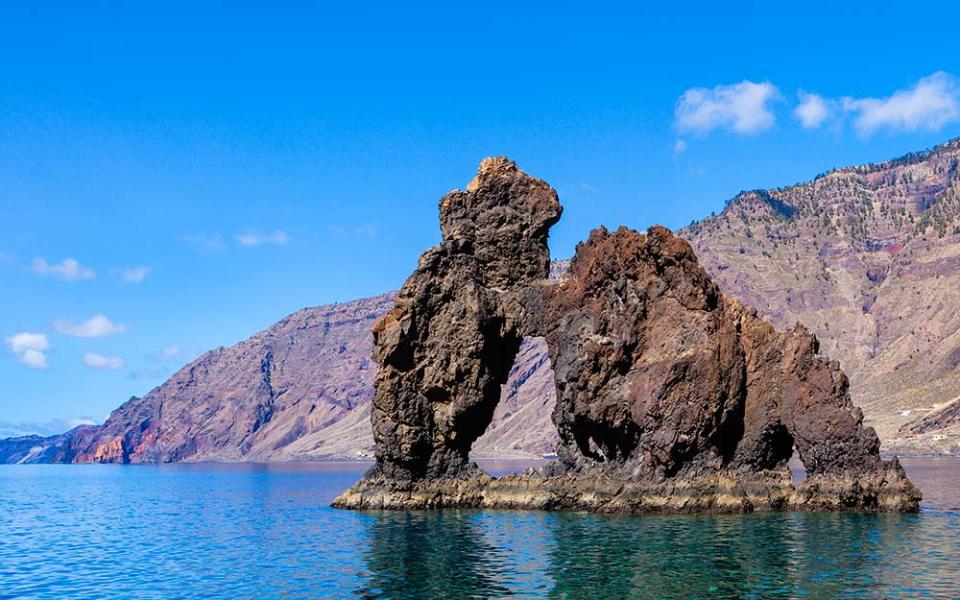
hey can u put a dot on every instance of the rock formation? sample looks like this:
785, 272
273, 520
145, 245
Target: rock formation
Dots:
865, 257
876, 281
670, 396
447, 346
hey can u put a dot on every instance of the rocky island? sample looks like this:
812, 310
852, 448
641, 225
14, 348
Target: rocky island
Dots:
671, 397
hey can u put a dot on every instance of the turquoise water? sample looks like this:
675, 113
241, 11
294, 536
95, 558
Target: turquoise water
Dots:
245, 531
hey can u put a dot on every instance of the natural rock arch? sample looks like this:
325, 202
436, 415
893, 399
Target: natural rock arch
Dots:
522, 425
670, 396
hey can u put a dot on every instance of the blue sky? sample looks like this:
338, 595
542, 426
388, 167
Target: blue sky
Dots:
177, 176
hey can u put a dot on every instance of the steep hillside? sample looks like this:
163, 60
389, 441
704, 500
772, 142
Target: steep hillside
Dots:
298, 390
868, 258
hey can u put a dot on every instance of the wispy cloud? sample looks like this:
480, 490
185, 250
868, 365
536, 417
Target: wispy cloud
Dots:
206, 242
251, 239
171, 351
812, 110
930, 104
742, 108
368, 230
30, 348
6, 259
679, 147
131, 275
99, 361
157, 373
214, 242
67, 270
96, 326
47, 428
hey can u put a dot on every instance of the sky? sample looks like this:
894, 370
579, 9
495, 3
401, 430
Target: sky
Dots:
177, 176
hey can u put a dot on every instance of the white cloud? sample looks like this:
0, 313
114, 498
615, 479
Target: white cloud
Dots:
741, 107
812, 111
132, 275
98, 361
35, 359
929, 105
30, 348
96, 326
278, 238
67, 270
21, 342
679, 147
171, 351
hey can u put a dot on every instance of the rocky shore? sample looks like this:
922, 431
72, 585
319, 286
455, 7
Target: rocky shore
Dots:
714, 493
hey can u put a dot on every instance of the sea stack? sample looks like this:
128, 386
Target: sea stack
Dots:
671, 397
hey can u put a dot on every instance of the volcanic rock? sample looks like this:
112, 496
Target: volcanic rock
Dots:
671, 397
447, 346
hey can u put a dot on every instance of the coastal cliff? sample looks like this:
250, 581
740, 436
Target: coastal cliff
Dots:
864, 257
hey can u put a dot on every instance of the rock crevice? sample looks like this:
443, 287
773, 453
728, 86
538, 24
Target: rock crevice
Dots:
671, 397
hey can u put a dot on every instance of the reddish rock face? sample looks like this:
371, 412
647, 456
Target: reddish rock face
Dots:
670, 396
659, 375
649, 372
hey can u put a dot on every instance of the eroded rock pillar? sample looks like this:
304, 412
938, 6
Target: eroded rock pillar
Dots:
447, 346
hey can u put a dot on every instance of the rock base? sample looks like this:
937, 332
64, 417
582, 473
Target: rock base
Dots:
726, 492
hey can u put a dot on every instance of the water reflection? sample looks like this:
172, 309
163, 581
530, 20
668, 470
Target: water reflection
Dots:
471, 554
660, 557
431, 555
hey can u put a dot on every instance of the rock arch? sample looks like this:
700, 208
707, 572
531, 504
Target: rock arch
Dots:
670, 396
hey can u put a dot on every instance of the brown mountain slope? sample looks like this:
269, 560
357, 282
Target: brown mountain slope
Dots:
869, 259
298, 390
866, 257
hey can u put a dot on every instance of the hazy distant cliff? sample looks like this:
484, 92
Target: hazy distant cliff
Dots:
298, 390
867, 257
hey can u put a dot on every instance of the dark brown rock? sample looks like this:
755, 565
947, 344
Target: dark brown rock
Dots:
447, 346
670, 396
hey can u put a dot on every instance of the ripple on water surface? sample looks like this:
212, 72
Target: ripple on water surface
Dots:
241, 531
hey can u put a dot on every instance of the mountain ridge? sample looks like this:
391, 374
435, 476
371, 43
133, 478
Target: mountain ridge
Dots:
847, 254
860, 246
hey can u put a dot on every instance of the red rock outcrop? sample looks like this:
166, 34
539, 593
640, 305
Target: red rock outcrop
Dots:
670, 396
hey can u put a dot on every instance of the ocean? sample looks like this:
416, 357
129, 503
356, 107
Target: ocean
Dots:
266, 531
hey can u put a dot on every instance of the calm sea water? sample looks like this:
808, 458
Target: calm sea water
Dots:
245, 531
